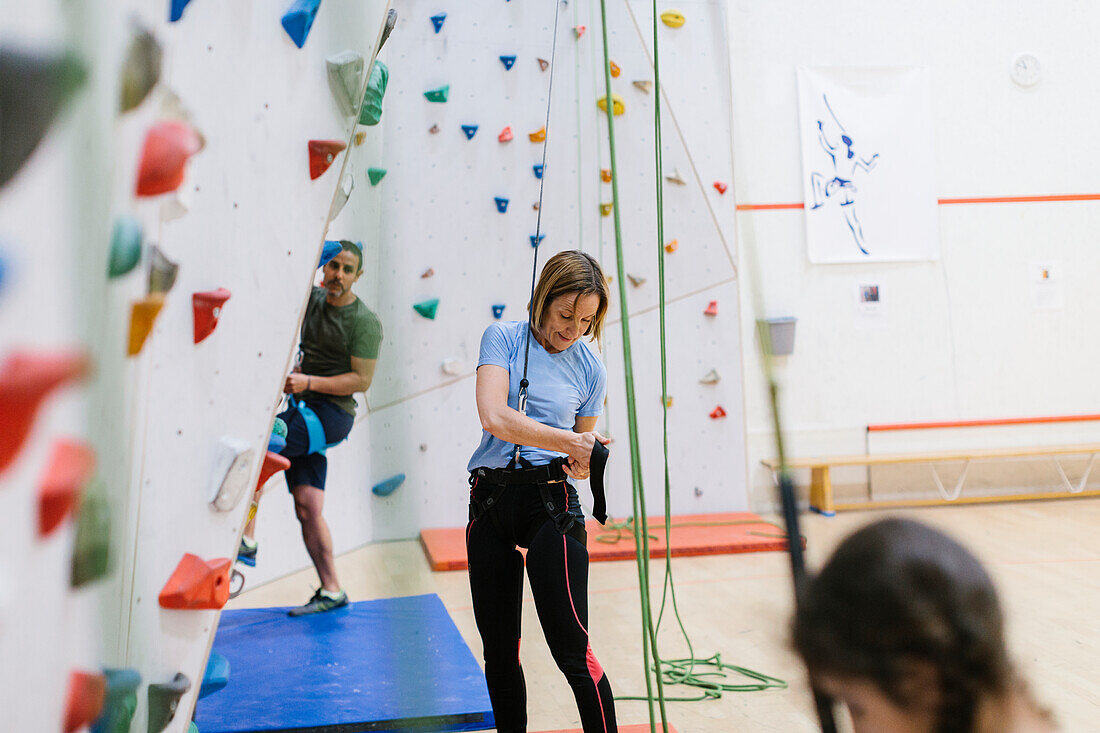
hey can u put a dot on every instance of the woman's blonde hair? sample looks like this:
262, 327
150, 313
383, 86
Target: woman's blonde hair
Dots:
570, 272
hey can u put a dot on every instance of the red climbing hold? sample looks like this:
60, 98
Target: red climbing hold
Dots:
505, 135
168, 145
87, 691
196, 583
717, 412
720, 187
321, 155
578, 31
712, 309
70, 466
208, 307
273, 463
25, 381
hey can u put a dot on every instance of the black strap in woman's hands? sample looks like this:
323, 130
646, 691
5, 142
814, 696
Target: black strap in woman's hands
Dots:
596, 465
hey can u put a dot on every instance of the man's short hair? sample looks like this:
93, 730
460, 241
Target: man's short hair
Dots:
355, 248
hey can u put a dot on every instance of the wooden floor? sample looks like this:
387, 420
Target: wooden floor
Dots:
1044, 556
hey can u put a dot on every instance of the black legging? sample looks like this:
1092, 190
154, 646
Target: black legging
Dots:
557, 566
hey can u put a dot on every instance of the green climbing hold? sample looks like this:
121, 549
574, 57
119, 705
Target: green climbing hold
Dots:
376, 175
427, 308
91, 548
371, 112
344, 70
120, 702
125, 246
438, 95
164, 700
279, 427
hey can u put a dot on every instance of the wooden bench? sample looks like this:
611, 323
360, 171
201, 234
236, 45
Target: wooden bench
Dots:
821, 487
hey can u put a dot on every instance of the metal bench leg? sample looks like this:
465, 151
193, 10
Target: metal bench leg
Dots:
821, 491
958, 484
1084, 479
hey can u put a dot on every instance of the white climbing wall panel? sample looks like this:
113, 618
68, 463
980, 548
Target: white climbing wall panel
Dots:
438, 211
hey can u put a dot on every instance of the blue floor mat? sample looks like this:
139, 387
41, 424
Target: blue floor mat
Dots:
396, 664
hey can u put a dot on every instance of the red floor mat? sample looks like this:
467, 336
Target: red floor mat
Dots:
692, 534
643, 728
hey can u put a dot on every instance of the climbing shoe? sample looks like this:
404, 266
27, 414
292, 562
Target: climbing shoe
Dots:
246, 553
322, 601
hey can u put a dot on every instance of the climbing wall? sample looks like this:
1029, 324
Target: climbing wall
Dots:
210, 178
439, 213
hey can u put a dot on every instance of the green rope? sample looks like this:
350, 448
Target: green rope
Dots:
641, 531
710, 675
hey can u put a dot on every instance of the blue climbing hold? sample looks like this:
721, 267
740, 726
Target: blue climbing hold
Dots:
331, 250
498, 311
216, 676
437, 21
470, 131
508, 61
538, 171
502, 204
276, 443
177, 10
299, 19
535, 241
387, 487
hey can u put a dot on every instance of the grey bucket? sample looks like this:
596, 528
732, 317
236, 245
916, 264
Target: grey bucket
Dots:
781, 331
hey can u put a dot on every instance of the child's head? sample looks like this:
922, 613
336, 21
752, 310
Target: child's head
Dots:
903, 624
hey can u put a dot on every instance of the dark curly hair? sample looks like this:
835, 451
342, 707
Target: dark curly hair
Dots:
896, 594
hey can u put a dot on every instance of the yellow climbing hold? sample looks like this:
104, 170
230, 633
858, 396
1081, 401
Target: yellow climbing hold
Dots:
539, 136
671, 246
143, 316
673, 18
616, 103
605, 209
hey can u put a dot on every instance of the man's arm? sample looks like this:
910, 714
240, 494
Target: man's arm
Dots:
357, 380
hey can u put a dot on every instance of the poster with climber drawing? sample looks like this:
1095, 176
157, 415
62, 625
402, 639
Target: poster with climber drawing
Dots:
868, 161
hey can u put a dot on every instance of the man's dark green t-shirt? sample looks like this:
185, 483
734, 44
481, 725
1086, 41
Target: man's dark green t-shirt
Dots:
331, 335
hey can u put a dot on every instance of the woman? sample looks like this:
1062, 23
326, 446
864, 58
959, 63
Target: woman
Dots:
903, 626
525, 498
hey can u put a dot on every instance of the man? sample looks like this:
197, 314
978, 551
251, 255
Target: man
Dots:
339, 348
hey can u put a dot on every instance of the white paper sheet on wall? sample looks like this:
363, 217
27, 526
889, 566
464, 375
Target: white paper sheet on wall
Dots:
867, 164
1046, 285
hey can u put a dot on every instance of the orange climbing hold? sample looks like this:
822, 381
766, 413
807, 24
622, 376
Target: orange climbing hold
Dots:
538, 136
322, 153
84, 703
671, 246
26, 379
605, 175
717, 412
143, 315
615, 70
70, 466
712, 308
720, 187
208, 308
505, 135
168, 146
273, 463
196, 583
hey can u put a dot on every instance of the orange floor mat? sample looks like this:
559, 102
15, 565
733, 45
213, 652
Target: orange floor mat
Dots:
692, 534
643, 728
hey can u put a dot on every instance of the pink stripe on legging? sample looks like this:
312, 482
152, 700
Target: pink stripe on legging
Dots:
595, 671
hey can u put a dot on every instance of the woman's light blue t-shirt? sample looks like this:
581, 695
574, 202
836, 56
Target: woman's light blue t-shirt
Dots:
562, 387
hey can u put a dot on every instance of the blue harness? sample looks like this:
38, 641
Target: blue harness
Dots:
314, 429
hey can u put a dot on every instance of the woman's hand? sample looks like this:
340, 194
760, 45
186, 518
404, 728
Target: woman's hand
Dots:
581, 453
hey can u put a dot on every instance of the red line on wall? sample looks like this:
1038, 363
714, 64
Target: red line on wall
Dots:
948, 202
981, 423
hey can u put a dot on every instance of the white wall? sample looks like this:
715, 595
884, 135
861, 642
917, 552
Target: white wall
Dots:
960, 338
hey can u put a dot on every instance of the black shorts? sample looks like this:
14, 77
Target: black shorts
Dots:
307, 468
